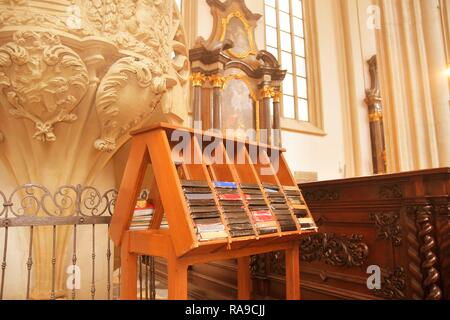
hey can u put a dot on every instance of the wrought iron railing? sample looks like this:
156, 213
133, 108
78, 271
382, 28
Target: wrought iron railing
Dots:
34, 206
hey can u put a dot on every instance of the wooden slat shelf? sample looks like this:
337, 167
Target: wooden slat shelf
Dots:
177, 173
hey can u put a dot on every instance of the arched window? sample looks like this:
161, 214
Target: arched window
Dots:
286, 38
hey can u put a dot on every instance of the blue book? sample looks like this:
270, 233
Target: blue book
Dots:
228, 185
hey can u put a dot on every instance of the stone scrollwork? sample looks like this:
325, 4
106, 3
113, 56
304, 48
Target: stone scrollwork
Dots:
338, 251
128, 77
42, 80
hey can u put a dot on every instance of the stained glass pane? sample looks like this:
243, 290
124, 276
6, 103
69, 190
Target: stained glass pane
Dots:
299, 46
288, 107
285, 22
302, 88
285, 41
288, 85
284, 5
286, 61
297, 8
271, 16
271, 37
303, 110
301, 66
298, 27
270, 2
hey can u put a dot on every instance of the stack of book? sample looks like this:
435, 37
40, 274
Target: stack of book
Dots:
280, 208
264, 220
203, 210
143, 214
232, 205
299, 206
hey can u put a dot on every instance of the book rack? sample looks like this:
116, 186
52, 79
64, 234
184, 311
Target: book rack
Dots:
223, 198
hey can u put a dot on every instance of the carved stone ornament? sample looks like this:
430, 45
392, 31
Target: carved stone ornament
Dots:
387, 226
135, 25
43, 80
134, 76
393, 284
338, 251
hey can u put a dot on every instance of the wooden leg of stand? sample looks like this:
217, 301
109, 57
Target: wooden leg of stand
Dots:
292, 273
244, 278
177, 279
128, 279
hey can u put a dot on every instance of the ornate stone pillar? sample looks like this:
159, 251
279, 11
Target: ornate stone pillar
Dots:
72, 88
217, 82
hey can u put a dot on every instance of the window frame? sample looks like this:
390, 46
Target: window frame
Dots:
315, 124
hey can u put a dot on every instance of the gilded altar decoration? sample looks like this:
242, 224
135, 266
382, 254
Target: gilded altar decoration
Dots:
231, 52
236, 28
276, 96
217, 81
198, 79
42, 80
267, 92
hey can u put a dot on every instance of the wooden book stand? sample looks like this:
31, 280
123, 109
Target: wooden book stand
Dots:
179, 244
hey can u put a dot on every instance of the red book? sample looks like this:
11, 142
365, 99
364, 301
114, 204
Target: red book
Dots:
262, 215
233, 196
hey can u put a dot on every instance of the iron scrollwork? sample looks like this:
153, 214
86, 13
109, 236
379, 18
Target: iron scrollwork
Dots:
36, 201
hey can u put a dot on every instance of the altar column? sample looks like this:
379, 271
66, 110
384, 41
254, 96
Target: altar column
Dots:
218, 82
198, 80
277, 118
266, 95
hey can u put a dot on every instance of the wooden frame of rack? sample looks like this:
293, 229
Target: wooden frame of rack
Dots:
179, 243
